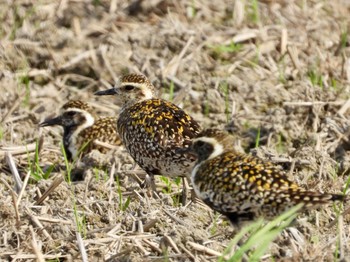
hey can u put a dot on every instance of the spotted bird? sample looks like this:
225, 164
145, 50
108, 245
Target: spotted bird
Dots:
81, 128
244, 187
153, 129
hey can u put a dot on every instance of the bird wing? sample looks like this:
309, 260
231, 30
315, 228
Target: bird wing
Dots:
171, 125
241, 183
104, 130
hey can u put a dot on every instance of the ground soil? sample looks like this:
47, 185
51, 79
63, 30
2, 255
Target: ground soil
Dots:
274, 73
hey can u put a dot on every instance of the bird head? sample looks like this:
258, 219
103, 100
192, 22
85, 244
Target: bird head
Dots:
131, 89
73, 113
209, 143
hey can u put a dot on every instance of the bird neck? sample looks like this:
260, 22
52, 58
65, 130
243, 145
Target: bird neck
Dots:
131, 102
71, 134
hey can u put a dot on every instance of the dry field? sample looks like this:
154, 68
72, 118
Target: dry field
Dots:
275, 73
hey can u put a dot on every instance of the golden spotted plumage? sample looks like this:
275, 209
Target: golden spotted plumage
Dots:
78, 104
244, 187
81, 128
104, 130
153, 129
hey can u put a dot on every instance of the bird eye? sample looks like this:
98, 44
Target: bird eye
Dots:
71, 113
200, 143
129, 87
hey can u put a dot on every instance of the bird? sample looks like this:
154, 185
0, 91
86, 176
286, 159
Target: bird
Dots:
244, 187
153, 129
81, 128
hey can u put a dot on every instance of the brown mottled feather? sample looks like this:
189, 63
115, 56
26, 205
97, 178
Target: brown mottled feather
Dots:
104, 130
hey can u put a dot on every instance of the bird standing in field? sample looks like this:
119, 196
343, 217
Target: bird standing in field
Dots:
81, 128
152, 129
244, 187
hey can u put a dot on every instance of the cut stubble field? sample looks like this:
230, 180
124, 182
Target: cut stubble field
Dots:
273, 73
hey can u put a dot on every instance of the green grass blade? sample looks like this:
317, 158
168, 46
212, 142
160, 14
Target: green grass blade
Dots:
260, 236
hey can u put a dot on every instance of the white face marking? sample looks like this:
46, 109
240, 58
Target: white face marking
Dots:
146, 91
218, 148
73, 138
193, 174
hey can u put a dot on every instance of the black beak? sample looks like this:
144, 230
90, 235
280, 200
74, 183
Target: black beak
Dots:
51, 122
108, 92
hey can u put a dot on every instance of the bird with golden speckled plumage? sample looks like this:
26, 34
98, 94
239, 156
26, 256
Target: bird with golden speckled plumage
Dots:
244, 187
153, 129
81, 128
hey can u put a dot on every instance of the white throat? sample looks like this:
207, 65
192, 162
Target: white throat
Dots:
218, 150
73, 146
147, 93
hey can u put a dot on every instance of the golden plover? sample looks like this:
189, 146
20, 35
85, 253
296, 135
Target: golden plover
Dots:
81, 128
244, 187
152, 129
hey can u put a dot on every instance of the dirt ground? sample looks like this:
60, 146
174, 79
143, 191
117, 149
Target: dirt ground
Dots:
271, 71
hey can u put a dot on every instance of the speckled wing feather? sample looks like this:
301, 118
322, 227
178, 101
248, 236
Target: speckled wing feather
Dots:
243, 185
153, 130
104, 130
161, 120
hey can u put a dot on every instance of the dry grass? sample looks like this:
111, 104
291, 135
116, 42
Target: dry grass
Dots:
281, 68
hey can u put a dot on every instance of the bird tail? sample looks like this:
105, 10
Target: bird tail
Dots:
311, 198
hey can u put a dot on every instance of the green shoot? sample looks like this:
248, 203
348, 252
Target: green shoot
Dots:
315, 239
315, 78
177, 181
168, 184
68, 165
80, 219
231, 48
171, 91
246, 125
257, 139
338, 210
1, 132
193, 11
221, 50
165, 254
343, 39
254, 12
280, 146
36, 171
214, 228
96, 172
259, 237
122, 206
334, 83
96, 2
334, 172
